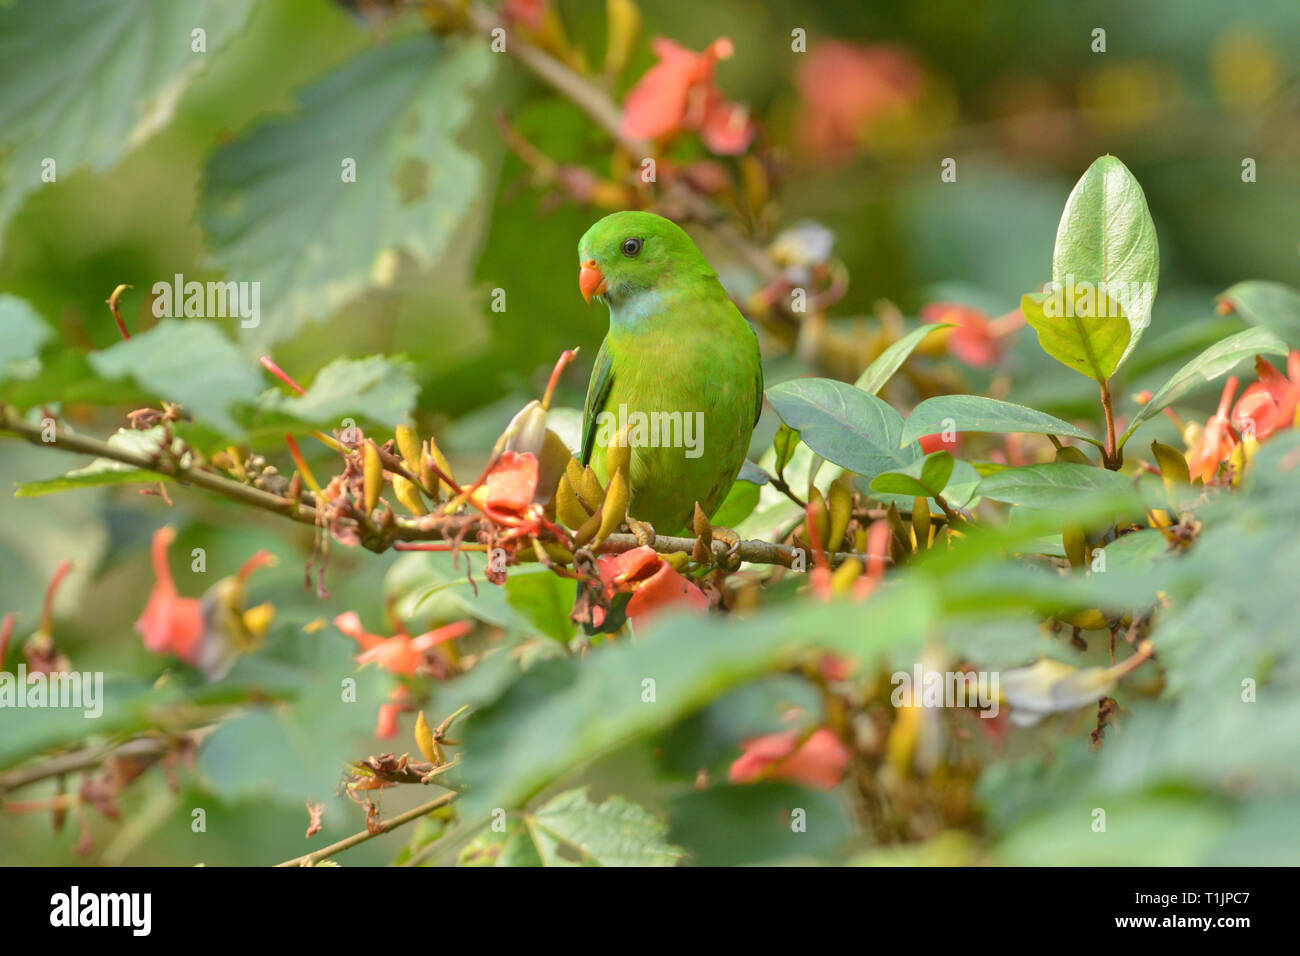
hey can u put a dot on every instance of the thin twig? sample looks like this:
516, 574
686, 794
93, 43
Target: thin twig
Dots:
311, 859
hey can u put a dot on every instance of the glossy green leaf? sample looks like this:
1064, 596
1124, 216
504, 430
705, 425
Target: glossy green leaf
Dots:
1107, 238
926, 479
975, 413
1054, 485
1089, 340
891, 359
844, 424
1217, 360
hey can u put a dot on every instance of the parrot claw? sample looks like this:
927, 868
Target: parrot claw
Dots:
732, 540
644, 531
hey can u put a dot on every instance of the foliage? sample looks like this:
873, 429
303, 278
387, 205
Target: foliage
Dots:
453, 619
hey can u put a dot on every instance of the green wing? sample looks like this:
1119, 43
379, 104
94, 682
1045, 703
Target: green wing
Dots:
597, 391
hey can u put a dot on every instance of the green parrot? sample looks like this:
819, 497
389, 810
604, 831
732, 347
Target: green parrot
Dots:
679, 369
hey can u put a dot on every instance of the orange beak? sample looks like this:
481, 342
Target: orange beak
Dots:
591, 281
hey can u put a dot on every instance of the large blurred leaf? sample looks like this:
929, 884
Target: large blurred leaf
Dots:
1271, 305
975, 413
1106, 235
278, 211
187, 361
1052, 485
1217, 360
22, 333
844, 424
564, 711
87, 80
737, 825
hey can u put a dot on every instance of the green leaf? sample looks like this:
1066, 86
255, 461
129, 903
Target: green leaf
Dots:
396, 110
570, 830
85, 81
925, 479
1075, 335
544, 598
974, 413
187, 361
1270, 305
891, 359
1217, 360
22, 333
376, 388
740, 502
1054, 485
844, 424
1106, 238
107, 471
563, 711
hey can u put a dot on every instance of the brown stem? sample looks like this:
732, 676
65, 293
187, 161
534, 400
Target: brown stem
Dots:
1111, 457
311, 859
428, 528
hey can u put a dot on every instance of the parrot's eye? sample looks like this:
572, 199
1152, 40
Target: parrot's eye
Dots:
631, 246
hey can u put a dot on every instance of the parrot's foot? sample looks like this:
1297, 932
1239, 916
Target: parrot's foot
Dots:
730, 561
644, 531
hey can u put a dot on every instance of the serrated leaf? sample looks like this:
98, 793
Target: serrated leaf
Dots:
106, 471
891, 359
187, 361
844, 425
396, 111
85, 81
1217, 360
1106, 235
22, 334
975, 413
377, 388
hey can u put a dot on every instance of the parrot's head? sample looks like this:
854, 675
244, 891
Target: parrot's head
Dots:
628, 254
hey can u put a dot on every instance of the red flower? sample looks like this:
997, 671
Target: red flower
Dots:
819, 760
652, 581
209, 632
977, 340
1269, 404
1216, 441
401, 653
505, 493
936, 442
170, 623
678, 93
846, 88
